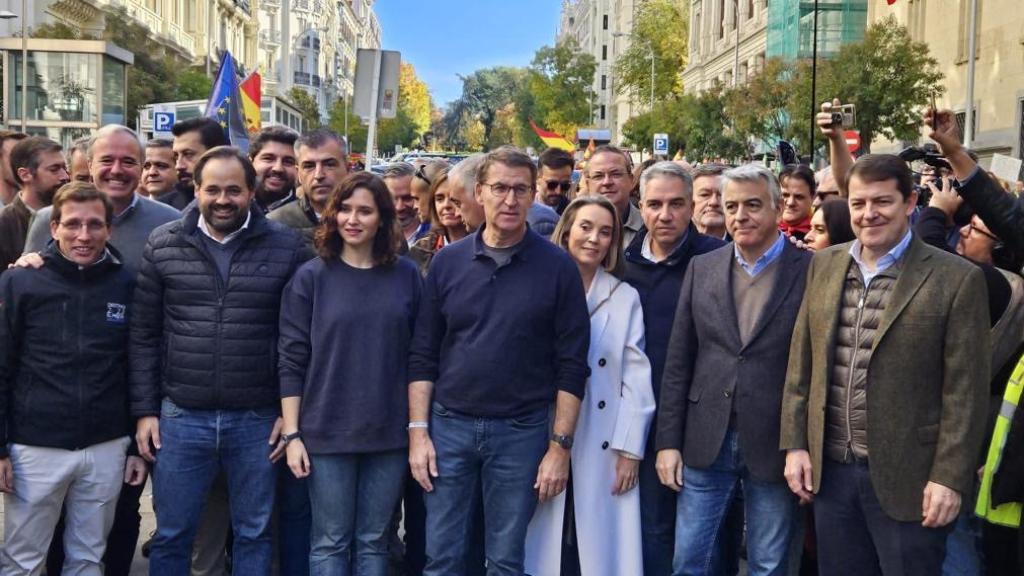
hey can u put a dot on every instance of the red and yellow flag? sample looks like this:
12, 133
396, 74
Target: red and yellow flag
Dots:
251, 92
551, 139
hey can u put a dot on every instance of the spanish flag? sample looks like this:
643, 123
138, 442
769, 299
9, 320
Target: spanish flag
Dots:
552, 140
251, 91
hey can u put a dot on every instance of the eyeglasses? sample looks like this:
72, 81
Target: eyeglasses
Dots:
422, 174
600, 176
500, 190
989, 235
91, 226
552, 185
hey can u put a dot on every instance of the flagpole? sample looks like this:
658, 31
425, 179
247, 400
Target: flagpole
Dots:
972, 46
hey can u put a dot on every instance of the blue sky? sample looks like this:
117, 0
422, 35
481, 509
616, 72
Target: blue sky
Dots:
442, 38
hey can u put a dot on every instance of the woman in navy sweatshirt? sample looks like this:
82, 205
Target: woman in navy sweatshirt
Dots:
346, 321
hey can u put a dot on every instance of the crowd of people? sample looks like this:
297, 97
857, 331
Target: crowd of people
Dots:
488, 368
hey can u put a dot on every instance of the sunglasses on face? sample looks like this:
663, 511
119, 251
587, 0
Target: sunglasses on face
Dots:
422, 174
563, 184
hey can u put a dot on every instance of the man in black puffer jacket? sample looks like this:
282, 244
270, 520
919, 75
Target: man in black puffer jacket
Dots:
204, 362
64, 424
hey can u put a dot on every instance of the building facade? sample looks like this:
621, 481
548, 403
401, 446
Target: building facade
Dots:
602, 29
999, 65
728, 42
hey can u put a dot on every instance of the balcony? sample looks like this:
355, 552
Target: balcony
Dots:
307, 79
302, 5
244, 5
270, 38
271, 5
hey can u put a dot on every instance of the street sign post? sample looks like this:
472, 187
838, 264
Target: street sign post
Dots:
852, 140
376, 89
661, 144
163, 121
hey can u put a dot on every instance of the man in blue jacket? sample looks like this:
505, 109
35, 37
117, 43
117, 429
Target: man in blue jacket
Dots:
656, 261
204, 362
64, 426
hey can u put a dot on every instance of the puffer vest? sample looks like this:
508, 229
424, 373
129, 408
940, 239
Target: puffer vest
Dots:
860, 315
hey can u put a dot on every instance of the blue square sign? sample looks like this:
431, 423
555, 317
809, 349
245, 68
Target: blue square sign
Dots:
661, 143
163, 121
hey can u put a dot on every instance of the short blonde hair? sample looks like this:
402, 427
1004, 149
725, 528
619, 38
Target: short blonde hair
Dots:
612, 262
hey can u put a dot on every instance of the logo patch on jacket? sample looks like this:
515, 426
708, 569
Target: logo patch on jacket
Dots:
116, 313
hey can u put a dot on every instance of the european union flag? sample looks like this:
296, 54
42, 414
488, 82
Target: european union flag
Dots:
225, 104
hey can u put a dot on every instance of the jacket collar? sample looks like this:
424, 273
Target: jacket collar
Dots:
257, 222
523, 247
634, 253
111, 260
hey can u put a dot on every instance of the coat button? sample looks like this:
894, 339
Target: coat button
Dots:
728, 394
601, 362
604, 445
600, 405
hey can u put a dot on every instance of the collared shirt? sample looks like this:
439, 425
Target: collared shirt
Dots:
648, 253
890, 258
127, 211
767, 258
206, 229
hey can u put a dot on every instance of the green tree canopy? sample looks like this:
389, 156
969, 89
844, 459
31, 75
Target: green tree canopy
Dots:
307, 107
659, 27
484, 93
557, 94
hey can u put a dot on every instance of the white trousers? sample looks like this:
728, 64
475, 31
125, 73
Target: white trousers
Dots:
88, 481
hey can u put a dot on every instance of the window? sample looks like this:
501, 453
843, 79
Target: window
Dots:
963, 38
61, 86
604, 82
604, 52
750, 9
721, 18
743, 73
602, 111
961, 123
695, 36
604, 22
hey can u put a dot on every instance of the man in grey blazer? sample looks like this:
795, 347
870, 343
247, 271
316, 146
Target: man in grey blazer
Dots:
718, 422
884, 407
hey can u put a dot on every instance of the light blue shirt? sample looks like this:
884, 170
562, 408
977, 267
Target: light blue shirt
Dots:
767, 258
890, 258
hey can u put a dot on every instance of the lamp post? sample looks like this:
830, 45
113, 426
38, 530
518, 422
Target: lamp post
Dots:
650, 52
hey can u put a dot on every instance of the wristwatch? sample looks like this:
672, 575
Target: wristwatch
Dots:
563, 440
286, 438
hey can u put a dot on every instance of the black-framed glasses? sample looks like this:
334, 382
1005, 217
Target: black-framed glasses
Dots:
989, 235
422, 174
500, 190
552, 185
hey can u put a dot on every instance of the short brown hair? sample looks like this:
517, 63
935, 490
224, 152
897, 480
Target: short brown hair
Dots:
507, 156
6, 135
609, 149
612, 262
388, 238
79, 191
27, 154
222, 153
882, 167
276, 133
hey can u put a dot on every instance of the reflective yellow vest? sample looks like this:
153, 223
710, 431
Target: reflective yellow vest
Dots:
1008, 514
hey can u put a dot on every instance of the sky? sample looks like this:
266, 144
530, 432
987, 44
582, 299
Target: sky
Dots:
443, 38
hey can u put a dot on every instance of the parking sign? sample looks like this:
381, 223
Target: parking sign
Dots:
163, 121
661, 144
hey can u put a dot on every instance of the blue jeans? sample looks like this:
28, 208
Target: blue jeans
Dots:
197, 444
502, 455
770, 508
294, 521
353, 497
657, 517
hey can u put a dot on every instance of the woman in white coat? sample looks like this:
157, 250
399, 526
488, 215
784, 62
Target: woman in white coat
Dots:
614, 419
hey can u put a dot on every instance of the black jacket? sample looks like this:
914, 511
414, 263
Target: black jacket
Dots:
1001, 211
64, 353
179, 197
197, 341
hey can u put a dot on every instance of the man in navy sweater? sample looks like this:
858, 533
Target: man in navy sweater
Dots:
656, 261
517, 301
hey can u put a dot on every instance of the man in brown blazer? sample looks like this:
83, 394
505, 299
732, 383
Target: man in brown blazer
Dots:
884, 406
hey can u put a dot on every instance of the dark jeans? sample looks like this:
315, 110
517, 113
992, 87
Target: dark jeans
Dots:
197, 444
124, 535
502, 455
353, 497
657, 517
294, 521
415, 524
857, 538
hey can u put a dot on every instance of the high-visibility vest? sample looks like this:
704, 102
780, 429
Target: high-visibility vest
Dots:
1008, 514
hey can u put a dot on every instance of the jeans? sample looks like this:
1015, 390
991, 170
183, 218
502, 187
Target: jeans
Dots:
197, 444
857, 538
353, 497
707, 496
294, 522
502, 455
963, 546
657, 517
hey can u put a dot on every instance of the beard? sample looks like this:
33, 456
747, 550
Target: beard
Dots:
46, 196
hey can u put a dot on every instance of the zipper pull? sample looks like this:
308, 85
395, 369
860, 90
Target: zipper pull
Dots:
860, 303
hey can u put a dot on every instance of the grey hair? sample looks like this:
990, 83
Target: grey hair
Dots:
110, 130
80, 145
465, 171
754, 173
667, 169
398, 170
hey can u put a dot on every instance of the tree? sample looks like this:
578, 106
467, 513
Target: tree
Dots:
414, 98
659, 27
356, 129
773, 105
557, 94
694, 123
484, 93
306, 106
193, 84
888, 76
